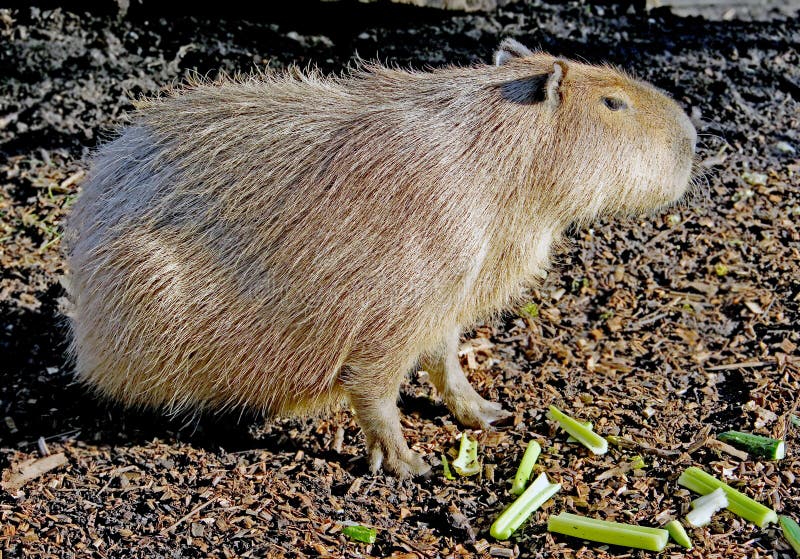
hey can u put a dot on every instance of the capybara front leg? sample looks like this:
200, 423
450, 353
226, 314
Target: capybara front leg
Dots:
379, 419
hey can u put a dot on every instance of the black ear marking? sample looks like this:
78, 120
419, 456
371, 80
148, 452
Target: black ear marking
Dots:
510, 48
525, 91
540, 88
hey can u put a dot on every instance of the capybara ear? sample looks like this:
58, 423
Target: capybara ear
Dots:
538, 88
552, 88
508, 49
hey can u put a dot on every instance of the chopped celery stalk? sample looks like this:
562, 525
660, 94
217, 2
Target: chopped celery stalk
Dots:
740, 504
772, 449
531, 499
466, 463
446, 467
706, 506
791, 531
678, 534
525, 468
627, 535
360, 533
587, 437
587, 424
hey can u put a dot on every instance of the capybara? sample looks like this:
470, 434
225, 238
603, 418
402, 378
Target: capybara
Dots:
289, 241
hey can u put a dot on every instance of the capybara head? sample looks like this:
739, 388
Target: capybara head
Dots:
618, 145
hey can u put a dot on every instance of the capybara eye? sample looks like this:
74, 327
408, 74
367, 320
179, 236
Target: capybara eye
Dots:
614, 103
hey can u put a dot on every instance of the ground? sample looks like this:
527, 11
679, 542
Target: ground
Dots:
663, 330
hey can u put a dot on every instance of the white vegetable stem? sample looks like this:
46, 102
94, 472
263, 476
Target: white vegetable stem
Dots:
705, 507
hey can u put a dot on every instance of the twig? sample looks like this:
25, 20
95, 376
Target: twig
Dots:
742, 365
647, 320
183, 519
413, 546
114, 475
664, 234
726, 448
31, 469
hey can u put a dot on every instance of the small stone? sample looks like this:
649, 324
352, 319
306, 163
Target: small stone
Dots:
497, 551
197, 530
754, 179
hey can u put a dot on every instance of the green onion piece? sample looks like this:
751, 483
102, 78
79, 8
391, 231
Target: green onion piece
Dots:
446, 467
795, 420
791, 531
706, 506
587, 437
772, 449
531, 499
360, 533
698, 481
677, 533
466, 463
627, 535
525, 468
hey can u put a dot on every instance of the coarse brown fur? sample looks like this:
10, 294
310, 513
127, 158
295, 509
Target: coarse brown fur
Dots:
285, 242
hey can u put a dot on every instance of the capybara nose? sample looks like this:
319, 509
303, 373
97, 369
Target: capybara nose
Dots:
691, 133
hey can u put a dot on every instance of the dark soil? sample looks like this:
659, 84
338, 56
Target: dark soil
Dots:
663, 330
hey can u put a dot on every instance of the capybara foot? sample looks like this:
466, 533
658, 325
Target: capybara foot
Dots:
379, 418
401, 462
472, 410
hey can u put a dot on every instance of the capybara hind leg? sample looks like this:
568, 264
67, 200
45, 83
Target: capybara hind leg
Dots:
379, 419
469, 407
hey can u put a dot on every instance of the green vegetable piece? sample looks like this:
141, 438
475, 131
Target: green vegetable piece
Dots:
678, 533
531, 499
772, 449
637, 463
627, 535
795, 420
446, 467
360, 533
619, 441
791, 531
587, 437
466, 463
525, 469
740, 504
587, 424
531, 309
